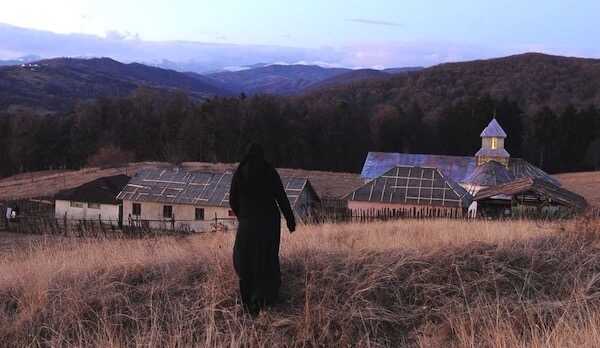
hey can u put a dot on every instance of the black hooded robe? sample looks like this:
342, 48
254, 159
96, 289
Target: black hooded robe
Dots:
256, 203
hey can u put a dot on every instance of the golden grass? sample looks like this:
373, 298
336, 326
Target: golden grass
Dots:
586, 184
417, 283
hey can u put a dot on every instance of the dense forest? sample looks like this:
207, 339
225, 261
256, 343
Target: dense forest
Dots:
309, 132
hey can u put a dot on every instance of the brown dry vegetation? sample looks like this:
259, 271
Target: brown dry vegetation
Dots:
419, 283
586, 184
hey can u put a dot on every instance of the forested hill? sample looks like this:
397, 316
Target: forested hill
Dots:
532, 80
545, 104
57, 84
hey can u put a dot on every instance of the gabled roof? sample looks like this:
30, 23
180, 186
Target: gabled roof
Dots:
195, 188
103, 190
537, 186
457, 168
415, 186
493, 129
491, 173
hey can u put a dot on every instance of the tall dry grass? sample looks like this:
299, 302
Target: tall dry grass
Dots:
416, 283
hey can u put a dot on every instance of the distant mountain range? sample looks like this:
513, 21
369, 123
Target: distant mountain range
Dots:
56, 84
294, 79
531, 79
20, 60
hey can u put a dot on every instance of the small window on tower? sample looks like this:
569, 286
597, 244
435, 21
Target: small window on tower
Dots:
494, 143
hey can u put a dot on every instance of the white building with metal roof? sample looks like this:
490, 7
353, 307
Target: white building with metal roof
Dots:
163, 199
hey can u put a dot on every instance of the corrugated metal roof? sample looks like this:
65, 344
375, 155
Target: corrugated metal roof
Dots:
196, 188
538, 186
328, 185
457, 168
413, 185
491, 173
493, 129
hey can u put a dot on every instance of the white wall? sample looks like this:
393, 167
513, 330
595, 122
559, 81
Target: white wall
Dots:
107, 212
152, 212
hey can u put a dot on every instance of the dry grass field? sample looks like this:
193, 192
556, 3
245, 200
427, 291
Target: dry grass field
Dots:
47, 183
586, 184
415, 283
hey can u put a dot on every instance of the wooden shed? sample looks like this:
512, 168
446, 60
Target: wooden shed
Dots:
528, 197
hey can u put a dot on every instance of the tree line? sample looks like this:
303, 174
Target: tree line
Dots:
297, 132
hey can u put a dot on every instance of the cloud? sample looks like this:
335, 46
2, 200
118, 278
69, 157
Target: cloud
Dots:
117, 35
203, 57
374, 22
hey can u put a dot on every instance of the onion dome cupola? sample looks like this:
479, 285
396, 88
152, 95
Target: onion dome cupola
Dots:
492, 145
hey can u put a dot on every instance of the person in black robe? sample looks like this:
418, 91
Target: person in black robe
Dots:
256, 196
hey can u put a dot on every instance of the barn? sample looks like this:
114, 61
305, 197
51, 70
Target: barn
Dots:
95, 200
529, 197
159, 198
410, 191
491, 167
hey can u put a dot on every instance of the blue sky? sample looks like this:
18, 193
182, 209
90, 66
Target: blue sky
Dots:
373, 29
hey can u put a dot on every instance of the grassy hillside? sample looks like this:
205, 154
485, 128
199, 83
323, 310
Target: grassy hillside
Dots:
420, 283
586, 184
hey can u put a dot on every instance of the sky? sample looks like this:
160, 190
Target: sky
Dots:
373, 32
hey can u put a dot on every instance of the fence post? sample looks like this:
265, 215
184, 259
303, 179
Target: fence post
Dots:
216, 222
66, 225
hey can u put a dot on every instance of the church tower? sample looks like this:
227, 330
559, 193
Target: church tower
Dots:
492, 145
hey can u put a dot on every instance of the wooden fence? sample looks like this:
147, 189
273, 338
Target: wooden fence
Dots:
108, 229
386, 214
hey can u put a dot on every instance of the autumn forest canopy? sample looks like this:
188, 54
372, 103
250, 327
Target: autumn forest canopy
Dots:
315, 131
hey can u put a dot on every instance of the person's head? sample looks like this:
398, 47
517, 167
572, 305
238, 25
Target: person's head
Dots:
253, 162
254, 152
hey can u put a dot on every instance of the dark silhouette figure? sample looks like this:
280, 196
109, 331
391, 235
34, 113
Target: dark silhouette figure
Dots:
256, 192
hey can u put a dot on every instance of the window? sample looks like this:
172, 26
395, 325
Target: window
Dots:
231, 213
94, 205
494, 143
76, 205
167, 211
199, 213
136, 209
